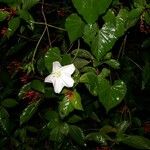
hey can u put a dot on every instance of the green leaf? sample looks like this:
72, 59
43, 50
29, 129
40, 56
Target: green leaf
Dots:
133, 17
25, 15
90, 31
80, 63
137, 142
112, 29
91, 81
59, 131
9, 103
74, 26
28, 112
122, 127
4, 119
91, 9
66, 59
71, 101
27, 4
53, 54
3, 15
104, 40
74, 119
147, 17
13, 25
110, 96
139, 3
75, 100
65, 107
76, 134
82, 53
41, 65
24, 89
104, 73
38, 86
107, 129
113, 63
97, 137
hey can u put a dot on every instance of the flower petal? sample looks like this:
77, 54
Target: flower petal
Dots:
58, 85
49, 79
67, 80
56, 66
68, 69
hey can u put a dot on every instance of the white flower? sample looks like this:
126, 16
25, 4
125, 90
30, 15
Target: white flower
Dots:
61, 76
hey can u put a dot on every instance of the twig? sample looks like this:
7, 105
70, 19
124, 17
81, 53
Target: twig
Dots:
122, 48
35, 50
49, 25
135, 63
49, 40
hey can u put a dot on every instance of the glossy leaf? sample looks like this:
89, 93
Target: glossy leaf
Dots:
133, 17
91, 9
28, 112
76, 134
3, 15
75, 100
137, 142
41, 65
53, 54
74, 119
13, 25
74, 26
80, 63
25, 15
24, 89
110, 96
82, 53
71, 101
91, 81
122, 127
97, 137
9, 103
104, 41
59, 131
90, 31
65, 107
38, 86
113, 63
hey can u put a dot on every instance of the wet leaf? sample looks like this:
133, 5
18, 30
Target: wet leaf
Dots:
137, 142
77, 134
110, 96
91, 9
13, 25
28, 112
53, 54
3, 15
38, 86
74, 26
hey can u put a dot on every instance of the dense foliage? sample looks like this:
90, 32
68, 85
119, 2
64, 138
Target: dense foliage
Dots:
108, 43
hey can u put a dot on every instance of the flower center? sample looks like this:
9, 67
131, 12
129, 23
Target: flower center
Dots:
57, 73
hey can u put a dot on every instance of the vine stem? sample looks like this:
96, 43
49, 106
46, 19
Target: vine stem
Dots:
35, 50
42, 9
49, 25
